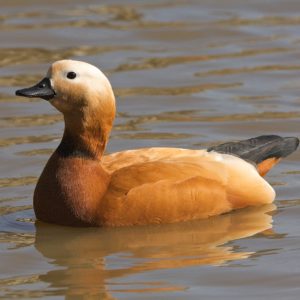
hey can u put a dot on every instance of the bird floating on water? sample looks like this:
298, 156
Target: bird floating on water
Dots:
80, 186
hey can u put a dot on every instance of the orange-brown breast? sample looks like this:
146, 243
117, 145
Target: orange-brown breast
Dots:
69, 191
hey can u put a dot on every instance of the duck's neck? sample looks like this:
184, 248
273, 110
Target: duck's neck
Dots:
84, 138
73, 183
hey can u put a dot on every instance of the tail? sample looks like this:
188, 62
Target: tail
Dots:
265, 151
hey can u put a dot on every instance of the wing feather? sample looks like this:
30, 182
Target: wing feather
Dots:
163, 185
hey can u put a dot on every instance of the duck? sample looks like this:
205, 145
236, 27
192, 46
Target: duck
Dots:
82, 186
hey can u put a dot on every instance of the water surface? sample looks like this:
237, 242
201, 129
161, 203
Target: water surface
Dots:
186, 74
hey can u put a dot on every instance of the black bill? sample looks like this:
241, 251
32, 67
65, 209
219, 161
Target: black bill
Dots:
41, 90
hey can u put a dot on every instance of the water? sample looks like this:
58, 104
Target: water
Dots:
186, 74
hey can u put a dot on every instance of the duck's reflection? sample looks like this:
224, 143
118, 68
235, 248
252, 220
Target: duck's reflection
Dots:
84, 262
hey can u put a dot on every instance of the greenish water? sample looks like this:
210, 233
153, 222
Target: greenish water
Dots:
186, 74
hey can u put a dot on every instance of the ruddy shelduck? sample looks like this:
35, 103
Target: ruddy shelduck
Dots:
80, 186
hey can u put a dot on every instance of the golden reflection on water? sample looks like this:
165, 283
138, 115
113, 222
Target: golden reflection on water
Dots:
26, 139
17, 240
18, 56
267, 68
183, 117
263, 21
19, 80
172, 91
153, 135
162, 62
82, 256
4, 98
81, 23
35, 120
4, 210
12, 182
46, 152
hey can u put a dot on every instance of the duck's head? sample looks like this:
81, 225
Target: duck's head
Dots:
81, 92
72, 86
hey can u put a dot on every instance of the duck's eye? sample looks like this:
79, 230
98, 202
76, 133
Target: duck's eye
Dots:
71, 75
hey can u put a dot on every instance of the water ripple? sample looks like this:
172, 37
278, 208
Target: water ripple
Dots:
162, 62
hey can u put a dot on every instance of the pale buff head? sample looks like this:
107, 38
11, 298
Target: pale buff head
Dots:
85, 97
79, 87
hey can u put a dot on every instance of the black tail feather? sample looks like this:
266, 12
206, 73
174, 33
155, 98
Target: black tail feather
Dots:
259, 148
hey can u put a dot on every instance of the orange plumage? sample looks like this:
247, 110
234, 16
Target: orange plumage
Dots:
82, 187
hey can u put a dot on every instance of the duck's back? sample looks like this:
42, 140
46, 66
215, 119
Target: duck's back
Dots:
163, 185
